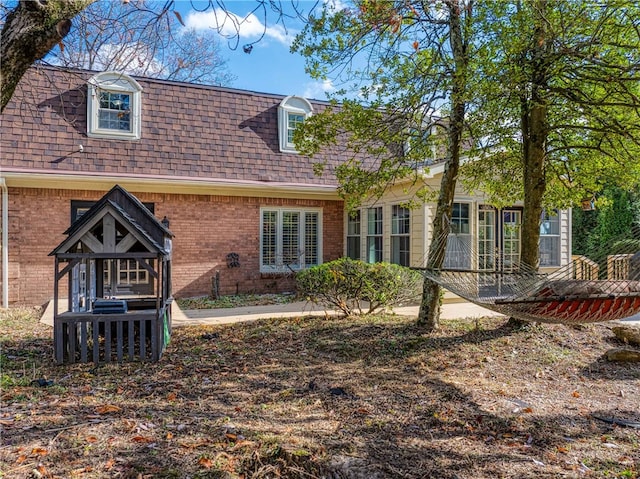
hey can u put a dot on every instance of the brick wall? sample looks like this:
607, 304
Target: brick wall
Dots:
207, 228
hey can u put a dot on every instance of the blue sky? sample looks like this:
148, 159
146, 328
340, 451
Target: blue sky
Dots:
270, 67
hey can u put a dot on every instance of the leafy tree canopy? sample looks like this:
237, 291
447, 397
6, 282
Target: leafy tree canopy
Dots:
395, 66
587, 74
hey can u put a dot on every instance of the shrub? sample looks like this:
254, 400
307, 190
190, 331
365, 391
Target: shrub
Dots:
356, 287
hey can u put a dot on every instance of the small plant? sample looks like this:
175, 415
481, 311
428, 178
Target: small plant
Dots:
356, 287
235, 301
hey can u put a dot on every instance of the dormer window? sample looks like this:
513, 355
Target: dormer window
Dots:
292, 112
113, 107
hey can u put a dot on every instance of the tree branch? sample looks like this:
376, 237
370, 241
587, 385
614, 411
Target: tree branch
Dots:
31, 30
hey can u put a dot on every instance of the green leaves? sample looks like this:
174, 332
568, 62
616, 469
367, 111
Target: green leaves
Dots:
356, 287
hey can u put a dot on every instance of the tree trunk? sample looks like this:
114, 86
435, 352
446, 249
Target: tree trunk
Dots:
429, 314
31, 30
535, 130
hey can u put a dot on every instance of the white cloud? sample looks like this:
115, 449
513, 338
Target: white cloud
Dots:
131, 58
318, 89
248, 28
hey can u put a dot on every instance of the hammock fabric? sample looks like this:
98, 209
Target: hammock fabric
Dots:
601, 286
559, 301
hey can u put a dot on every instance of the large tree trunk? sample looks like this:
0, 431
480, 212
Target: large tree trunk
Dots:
31, 30
535, 130
429, 314
534, 185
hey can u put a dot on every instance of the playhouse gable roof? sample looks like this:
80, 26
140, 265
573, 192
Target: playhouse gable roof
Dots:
130, 212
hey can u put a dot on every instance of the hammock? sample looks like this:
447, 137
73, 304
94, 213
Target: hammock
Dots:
600, 285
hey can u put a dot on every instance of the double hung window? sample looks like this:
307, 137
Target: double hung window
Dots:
550, 239
353, 235
374, 234
292, 112
400, 235
113, 107
114, 112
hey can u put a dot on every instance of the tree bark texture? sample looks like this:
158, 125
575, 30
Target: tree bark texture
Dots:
429, 314
535, 129
31, 30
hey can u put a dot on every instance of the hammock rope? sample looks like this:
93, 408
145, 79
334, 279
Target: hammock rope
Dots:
601, 284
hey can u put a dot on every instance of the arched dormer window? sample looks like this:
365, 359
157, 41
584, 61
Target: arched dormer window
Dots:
293, 110
113, 106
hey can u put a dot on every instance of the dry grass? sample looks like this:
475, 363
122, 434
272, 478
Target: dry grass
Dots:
335, 398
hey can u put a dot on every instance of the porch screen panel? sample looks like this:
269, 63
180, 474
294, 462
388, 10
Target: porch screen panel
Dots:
487, 240
511, 235
459, 243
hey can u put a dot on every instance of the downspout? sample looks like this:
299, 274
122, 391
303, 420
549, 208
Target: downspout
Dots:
5, 243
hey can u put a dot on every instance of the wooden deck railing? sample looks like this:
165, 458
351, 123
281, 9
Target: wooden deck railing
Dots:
584, 268
618, 266
102, 338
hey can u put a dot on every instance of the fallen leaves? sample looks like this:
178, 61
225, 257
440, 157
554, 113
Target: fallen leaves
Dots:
206, 462
142, 439
209, 410
108, 409
39, 451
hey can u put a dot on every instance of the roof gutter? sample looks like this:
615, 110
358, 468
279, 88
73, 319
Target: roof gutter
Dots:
5, 243
19, 177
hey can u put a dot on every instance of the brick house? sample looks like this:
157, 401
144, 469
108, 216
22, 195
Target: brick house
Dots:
218, 164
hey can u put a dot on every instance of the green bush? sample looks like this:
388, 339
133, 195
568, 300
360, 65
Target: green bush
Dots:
356, 287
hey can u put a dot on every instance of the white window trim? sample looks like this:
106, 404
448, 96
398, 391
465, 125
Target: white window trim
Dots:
470, 236
347, 220
282, 268
117, 83
558, 240
393, 235
141, 273
369, 234
291, 105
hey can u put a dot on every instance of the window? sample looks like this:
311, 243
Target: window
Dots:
486, 238
80, 207
289, 240
114, 111
550, 239
292, 112
353, 235
458, 252
113, 107
293, 120
400, 235
374, 235
129, 272
460, 218
511, 239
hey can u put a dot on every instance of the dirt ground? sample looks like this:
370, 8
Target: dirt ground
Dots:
325, 398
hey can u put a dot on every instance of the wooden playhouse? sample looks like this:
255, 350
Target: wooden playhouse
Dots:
117, 261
